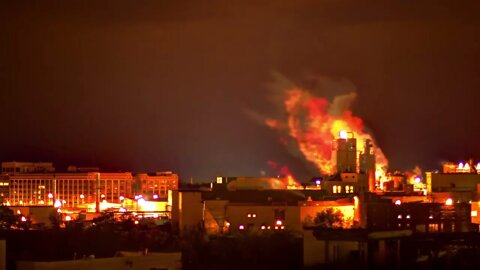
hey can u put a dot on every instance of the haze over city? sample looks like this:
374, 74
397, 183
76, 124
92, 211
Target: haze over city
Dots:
154, 85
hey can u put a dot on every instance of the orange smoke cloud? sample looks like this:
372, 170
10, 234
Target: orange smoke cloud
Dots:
314, 127
284, 171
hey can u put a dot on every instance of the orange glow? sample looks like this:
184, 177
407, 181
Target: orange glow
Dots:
314, 129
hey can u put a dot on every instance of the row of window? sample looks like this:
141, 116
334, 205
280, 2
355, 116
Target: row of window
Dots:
338, 189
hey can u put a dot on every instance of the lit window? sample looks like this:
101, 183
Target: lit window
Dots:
241, 227
408, 216
249, 215
263, 227
398, 202
399, 216
430, 217
474, 213
254, 215
339, 189
347, 189
278, 222
351, 189
334, 189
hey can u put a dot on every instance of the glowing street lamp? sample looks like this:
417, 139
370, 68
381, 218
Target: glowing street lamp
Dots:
449, 201
57, 204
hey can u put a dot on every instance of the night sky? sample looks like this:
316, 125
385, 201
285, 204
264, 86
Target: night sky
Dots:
165, 85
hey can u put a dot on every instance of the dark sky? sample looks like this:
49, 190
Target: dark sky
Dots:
163, 85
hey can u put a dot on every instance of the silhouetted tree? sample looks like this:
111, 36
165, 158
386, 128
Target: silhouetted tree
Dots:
329, 219
7, 218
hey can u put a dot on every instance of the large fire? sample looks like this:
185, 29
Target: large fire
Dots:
314, 128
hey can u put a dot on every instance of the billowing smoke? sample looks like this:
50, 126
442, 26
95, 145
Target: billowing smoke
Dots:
311, 121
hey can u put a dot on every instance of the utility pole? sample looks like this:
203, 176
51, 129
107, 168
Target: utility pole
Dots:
97, 193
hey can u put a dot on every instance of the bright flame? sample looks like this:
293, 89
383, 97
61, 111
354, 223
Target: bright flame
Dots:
314, 130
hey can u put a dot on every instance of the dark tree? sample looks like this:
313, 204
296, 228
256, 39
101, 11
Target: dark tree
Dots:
329, 219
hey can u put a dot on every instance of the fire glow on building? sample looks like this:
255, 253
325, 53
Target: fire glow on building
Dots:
315, 123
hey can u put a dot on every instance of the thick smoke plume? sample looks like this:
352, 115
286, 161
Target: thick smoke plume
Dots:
313, 122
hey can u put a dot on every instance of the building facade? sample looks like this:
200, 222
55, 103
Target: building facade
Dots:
79, 188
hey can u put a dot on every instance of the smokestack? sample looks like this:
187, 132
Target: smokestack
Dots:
367, 164
345, 152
